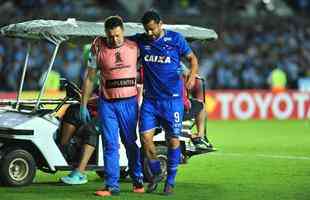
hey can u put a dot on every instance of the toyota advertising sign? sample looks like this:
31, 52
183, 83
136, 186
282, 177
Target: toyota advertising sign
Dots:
253, 104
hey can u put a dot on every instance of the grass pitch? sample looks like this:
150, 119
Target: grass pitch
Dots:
256, 160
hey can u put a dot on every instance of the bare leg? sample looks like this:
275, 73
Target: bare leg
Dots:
148, 145
87, 152
203, 141
174, 143
153, 162
200, 139
200, 123
67, 130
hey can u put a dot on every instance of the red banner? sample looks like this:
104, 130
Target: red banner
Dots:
249, 104
7, 95
257, 104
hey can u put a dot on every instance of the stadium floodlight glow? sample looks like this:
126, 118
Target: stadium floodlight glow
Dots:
269, 5
266, 1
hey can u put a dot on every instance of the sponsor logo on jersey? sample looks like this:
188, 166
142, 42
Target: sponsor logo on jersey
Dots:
157, 59
167, 39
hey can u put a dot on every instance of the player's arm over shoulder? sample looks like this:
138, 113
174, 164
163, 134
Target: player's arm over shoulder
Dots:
134, 45
138, 37
131, 43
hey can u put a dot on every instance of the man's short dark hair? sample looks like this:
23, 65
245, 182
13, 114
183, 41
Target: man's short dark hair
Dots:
149, 16
113, 22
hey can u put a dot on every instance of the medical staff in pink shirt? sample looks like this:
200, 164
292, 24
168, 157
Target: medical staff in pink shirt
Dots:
116, 59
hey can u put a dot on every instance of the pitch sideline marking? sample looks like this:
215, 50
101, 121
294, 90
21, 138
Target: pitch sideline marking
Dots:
264, 156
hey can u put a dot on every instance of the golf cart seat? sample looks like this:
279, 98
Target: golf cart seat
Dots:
72, 90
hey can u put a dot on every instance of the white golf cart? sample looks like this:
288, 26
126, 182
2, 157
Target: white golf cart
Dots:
29, 129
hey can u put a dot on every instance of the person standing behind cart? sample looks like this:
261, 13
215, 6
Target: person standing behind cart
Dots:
116, 58
194, 108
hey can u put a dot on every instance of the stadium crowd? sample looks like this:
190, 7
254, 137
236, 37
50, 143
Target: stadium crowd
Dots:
242, 57
250, 52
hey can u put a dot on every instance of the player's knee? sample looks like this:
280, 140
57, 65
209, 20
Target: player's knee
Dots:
150, 152
149, 148
147, 139
147, 144
174, 143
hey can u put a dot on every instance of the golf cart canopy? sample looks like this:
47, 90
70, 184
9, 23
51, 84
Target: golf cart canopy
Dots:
57, 31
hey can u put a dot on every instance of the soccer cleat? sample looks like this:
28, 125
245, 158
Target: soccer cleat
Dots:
208, 145
138, 187
203, 145
138, 190
74, 178
199, 144
103, 193
153, 184
168, 189
107, 192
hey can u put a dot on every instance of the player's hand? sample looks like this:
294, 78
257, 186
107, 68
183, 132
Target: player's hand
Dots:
84, 114
187, 105
190, 81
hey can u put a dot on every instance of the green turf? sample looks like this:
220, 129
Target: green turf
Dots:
256, 160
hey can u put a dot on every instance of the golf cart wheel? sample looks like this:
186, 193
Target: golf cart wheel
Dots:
161, 151
18, 168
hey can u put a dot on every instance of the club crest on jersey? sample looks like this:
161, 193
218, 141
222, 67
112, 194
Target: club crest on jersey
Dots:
157, 59
147, 47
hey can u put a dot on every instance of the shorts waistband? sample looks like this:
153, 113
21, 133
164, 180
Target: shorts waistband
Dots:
118, 99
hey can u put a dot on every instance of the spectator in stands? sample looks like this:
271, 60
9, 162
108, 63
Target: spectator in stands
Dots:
277, 80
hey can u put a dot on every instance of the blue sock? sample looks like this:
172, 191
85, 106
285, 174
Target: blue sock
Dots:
173, 162
155, 166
